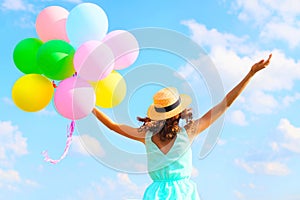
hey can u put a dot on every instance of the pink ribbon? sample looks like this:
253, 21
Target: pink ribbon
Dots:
70, 131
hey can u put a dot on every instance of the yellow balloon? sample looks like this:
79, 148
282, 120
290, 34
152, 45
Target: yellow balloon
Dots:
110, 91
32, 92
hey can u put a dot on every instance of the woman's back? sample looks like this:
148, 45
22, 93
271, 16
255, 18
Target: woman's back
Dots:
170, 172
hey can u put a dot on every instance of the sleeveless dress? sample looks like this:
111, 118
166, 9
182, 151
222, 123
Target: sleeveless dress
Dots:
170, 172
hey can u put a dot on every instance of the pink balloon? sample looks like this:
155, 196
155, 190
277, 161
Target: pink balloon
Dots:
51, 24
124, 46
74, 98
93, 60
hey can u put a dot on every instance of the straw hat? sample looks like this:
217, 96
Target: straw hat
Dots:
167, 103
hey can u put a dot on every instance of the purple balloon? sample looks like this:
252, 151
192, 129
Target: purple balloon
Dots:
93, 61
124, 46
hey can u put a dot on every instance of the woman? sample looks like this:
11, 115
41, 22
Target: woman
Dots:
167, 144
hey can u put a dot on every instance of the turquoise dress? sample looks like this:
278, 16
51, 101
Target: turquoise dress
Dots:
170, 172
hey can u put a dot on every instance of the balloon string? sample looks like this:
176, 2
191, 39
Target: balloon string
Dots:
70, 131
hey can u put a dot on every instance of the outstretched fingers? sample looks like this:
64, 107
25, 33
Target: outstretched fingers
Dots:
268, 61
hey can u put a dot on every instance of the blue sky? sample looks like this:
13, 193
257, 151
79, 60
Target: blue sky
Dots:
257, 155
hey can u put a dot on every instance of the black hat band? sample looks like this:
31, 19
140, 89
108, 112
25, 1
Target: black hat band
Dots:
168, 108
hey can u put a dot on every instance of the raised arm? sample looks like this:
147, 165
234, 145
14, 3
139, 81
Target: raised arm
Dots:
122, 129
213, 114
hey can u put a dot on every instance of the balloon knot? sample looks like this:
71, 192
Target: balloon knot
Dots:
54, 85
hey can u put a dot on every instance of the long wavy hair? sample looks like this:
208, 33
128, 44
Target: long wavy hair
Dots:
168, 128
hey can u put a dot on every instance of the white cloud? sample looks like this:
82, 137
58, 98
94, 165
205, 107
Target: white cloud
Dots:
251, 10
274, 168
238, 117
261, 11
31, 183
282, 31
289, 141
291, 136
275, 146
280, 75
192, 76
13, 5
238, 194
11, 180
17, 5
131, 189
74, 1
124, 180
25, 21
46, 112
92, 192
277, 20
12, 143
9, 176
188, 72
261, 103
69, 1
224, 50
252, 186
287, 100
11, 188
113, 187
7, 101
87, 145
110, 183
221, 142
213, 38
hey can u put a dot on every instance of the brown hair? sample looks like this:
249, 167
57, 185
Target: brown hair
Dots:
168, 128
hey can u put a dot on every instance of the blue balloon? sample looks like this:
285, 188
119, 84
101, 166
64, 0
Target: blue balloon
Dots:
86, 21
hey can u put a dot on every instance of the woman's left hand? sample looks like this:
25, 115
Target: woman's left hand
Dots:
260, 65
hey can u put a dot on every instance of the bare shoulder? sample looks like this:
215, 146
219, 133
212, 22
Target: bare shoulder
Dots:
190, 132
142, 136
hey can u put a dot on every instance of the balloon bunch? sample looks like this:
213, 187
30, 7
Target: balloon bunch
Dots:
75, 50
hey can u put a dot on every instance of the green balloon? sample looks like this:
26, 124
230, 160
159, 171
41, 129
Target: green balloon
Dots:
55, 59
25, 55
